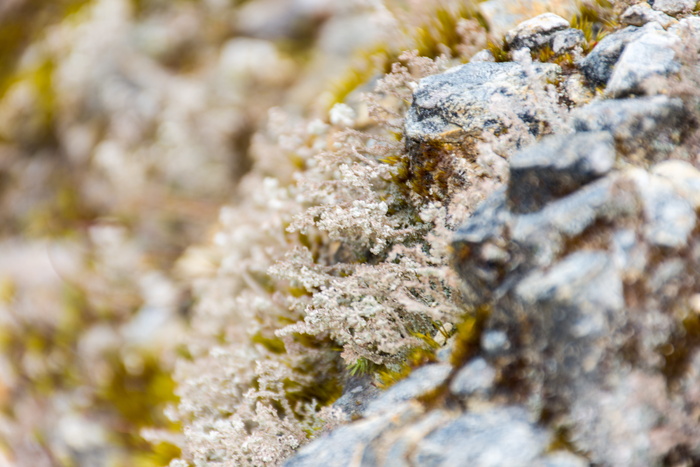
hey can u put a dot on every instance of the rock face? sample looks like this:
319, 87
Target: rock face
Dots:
588, 264
469, 99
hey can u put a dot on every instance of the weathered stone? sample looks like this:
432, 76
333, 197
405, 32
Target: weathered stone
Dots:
684, 177
674, 7
651, 54
557, 166
476, 377
421, 381
641, 14
535, 32
498, 437
483, 56
357, 395
566, 40
343, 444
670, 218
598, 65
543, 234
469, 99
504, 15
646, 127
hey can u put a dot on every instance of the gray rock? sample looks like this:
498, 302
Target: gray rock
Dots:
338, 448
641, 14
598, 65
494, 342
504, 15
646, 128
419, 382
481, 245
566, 40
469, 99
476, 377
684, 177
498, 437
535, 32
357, 395
651, 54
674, 7
670, 218
557, 166
688, 29
543, 234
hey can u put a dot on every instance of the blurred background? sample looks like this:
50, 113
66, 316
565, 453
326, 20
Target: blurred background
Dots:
124, 126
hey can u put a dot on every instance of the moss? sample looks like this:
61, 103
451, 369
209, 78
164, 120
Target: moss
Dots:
500, 51
139, 397
439, 34
596, 19
468, 340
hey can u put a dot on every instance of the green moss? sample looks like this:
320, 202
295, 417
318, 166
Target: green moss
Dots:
468, 340
439, 33
596, 19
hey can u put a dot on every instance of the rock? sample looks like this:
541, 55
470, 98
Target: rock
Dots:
645, 128
641, 14
469, 99
535, 32
670, 218
494, 342
674, 7
688, 29
341, 445
357, 395
420, 381
544, 234
598, 65
557, 166
483, 56
651, 54
573, 308
566, 40
684, 177
476, 377
498, 437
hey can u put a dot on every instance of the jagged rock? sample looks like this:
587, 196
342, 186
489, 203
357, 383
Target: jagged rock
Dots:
536, 32
557, 166
646, 128
469, 99
476, 377
498, 437
674, 7
598, 65
651, 54
641, 14
566, 40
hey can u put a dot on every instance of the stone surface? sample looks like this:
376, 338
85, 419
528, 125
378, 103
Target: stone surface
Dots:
646, 128
641, 14
651, 54
421, 381
498, 437
470, 99
674, 7
566, 40
598, 65
476, 377
557, 166
535, 32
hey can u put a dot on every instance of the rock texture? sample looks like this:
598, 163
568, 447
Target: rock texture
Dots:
587, 265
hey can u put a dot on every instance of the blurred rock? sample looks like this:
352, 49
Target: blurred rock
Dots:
651, 54
557, 166
598, 65
535, 32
